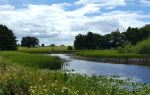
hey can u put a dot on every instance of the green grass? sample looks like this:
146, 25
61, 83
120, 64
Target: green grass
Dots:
42, 49
110, 54
19, 75
33, 60
19, 80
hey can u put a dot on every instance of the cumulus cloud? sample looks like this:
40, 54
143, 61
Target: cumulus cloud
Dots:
53, 24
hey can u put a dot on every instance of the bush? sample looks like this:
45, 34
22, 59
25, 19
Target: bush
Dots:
144, 46
70, 48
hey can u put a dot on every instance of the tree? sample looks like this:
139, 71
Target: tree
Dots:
117, 39
80, 42
70, 48
52, 45
134, 35
43, 45
29, 42
7, 39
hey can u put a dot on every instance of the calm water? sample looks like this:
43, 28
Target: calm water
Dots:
136, 73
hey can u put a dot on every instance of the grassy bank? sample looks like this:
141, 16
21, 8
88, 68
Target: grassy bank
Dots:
17, 79
32, 60
110, 54
85, 53
49, 49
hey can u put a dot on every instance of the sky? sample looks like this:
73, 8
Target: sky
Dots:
59, 21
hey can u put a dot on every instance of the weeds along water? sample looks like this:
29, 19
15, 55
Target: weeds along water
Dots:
33, 60
20, 79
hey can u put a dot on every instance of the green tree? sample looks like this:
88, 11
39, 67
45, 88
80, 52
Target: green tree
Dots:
117, 39
7, 39
80, 42
134, 35
29, 42
70, 48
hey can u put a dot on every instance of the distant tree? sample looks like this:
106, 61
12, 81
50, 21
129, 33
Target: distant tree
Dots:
62, 45
52, 45
114, 39
7, 39
29, 42
80, 42
70, 48
42, 45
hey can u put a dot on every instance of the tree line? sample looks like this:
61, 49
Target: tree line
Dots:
91, 40
115, 39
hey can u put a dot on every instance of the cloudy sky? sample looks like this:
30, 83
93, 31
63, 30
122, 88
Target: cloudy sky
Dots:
58, 21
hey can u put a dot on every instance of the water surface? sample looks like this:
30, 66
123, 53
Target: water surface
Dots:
136, 73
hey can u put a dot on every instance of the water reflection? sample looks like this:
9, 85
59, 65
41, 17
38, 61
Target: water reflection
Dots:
136, 73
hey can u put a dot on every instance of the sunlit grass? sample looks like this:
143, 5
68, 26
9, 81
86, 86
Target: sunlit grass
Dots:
110, 54
33, 60
42, 49
20, 80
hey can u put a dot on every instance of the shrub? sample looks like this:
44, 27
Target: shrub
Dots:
70, 48
144, 46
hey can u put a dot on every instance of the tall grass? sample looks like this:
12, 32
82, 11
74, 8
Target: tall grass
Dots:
20, 80
33, 60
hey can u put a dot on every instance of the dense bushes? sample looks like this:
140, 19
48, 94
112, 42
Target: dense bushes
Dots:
142, 47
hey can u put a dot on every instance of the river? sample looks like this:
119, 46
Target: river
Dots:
135, 73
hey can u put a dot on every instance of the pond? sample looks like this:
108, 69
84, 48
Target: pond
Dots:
136, 73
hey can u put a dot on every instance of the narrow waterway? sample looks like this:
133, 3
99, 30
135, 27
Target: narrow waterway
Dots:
136, 73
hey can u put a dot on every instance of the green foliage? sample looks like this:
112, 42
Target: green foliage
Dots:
33, 60
144, 47
20, 80
43, 49
29, 42
7, 39
70, 48
110, 54
93, 41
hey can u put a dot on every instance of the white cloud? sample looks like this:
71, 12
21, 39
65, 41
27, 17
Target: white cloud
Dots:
104, 3
145, 2
52, 24
6, 7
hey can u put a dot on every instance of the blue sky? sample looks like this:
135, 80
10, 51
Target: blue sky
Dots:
59, 21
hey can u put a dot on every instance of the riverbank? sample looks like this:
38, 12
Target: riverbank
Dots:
114, 56
21, 79
32, 60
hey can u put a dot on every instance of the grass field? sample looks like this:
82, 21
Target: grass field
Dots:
110, 54
18, 79
43, 49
